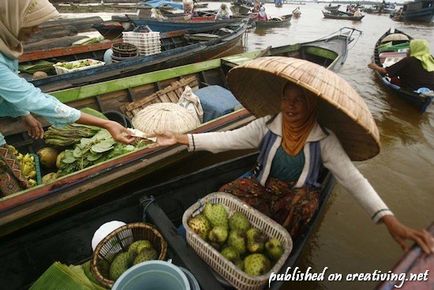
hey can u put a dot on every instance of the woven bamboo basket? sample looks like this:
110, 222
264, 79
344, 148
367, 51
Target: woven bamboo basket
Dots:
216, 261
119, 241
169, 94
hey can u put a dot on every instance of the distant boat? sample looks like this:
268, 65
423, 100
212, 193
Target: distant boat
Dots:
342, 15
275, 21
389, 49
420, 11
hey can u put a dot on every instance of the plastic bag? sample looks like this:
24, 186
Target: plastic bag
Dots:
192, 103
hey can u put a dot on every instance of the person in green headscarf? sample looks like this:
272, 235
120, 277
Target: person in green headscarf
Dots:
414, 71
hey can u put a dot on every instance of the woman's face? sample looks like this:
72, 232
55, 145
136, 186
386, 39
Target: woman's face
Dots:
27, 32
293, 103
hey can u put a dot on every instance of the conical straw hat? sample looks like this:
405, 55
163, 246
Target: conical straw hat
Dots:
259, 84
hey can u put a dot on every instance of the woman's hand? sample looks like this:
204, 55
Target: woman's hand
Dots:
119, 132
170, 138
34, 127
401, 233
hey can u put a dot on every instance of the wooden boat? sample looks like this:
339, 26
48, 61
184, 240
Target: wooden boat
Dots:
171, 24
107, 178
68, 239
341, 15
178, 48
283, 20
95, 51
97, 7
414, 263
417, 11
390, 54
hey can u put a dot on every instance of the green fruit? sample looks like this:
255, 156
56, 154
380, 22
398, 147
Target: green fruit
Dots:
236, 240
200, 225
146, 255
239, 222
216, 214
136, 247
120, 264
256, 265
231, 254
218, 234
274, 249
255, 240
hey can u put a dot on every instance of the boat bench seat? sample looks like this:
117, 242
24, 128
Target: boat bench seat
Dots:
389, 58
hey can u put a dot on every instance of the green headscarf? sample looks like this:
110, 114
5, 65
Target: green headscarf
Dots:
419, 48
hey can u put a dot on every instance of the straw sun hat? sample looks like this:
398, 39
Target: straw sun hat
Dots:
259, 84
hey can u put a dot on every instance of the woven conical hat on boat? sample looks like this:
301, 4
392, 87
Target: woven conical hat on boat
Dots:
259, 84
395, 37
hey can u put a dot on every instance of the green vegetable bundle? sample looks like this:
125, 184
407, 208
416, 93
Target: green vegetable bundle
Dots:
69, 135
90, 151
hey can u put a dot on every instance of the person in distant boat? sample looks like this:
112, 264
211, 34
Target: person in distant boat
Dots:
357, 13
295, 143
19, 20
188, 9
414, 71
223, 12
262, 15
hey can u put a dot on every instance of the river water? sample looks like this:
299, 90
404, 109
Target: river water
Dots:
346, 240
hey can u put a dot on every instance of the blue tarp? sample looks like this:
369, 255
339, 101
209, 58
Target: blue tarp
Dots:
163, 3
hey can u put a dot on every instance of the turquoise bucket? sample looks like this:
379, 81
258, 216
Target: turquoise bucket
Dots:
153, 275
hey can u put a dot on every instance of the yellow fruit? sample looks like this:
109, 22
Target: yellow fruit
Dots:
48, 157
59, 159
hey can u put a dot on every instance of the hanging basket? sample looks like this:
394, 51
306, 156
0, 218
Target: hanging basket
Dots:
119, 241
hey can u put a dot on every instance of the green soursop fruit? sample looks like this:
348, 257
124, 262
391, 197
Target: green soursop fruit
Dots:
256, 265
146, 255
136, 247
218, 234
273, 249
255, 240
239, 222
216, 214
231, 254
200, 225
236, 240
120, 264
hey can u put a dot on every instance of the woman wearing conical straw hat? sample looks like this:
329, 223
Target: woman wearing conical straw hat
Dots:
308, 118
19, 20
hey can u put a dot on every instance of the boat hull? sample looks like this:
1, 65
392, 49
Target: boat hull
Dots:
421, 102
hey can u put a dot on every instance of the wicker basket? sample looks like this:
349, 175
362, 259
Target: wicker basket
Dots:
119, 241
216, 261
169, 94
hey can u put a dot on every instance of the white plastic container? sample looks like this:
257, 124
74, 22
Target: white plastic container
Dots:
90, 63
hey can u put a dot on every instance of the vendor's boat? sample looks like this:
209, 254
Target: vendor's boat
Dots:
283, 20
177, 48
37, 204
391, 47
68, 238
342, 16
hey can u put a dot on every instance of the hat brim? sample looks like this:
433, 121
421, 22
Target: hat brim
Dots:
258, 85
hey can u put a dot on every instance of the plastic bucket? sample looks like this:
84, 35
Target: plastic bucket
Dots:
153, 275
194, 285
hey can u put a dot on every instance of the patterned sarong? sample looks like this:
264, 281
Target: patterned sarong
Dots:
291, 207
11, 178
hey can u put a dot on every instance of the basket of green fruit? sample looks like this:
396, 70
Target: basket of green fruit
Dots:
238, 242
125, 247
